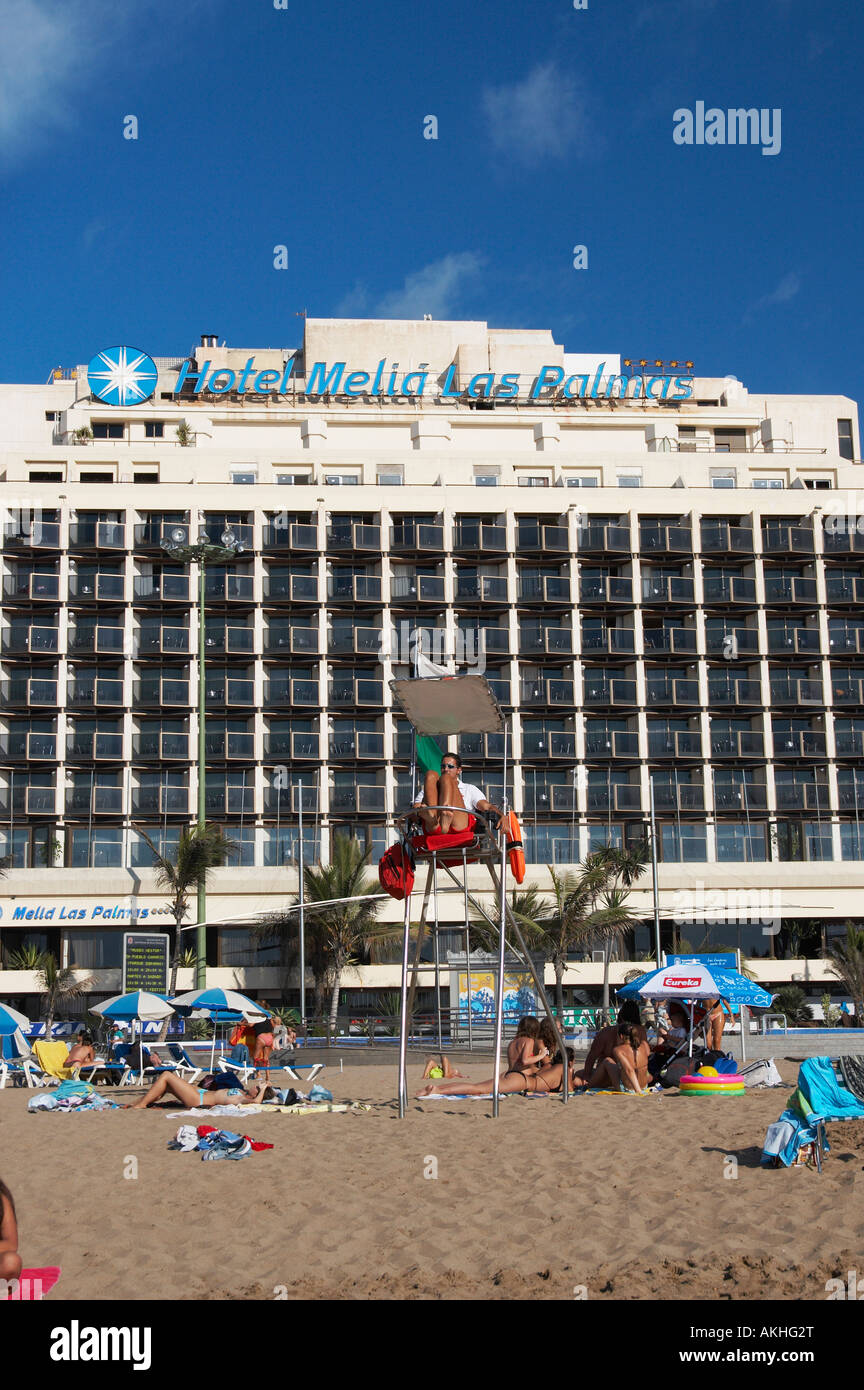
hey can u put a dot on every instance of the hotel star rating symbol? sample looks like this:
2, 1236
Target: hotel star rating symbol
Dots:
122, 376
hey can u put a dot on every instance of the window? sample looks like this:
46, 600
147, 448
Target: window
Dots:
629, 479
683, 843
46, 475
243, 476
844, 439
94, 476
154, 429
817, 484
294, 479
532, 480
390, 479
583, 480
151, 476
730, 441
741, 843
686, 439
341, 479
51, 414
96, 847
486, 476
104, 430
773, 483
94, 950
723, 477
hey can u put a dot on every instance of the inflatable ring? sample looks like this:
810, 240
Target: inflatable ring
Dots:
515, 850
729, 1085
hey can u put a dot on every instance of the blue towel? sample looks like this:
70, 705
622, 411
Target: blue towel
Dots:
785, 1137
821, 1088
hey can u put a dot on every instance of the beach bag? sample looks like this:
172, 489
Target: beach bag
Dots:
396, 872
762, 1073
726, 1065
671, 1075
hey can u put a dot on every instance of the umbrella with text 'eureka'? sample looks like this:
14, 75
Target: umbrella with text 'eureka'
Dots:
692, 980
214, 1001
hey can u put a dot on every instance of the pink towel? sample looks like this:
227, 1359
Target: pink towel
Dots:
33, 1284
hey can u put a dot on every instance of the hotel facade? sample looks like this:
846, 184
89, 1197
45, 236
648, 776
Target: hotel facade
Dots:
660, 574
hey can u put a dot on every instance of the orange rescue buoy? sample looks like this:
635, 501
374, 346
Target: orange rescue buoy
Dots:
515, 852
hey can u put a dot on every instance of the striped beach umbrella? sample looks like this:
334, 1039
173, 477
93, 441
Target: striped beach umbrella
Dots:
220, 1001
11, 1021
141, 1005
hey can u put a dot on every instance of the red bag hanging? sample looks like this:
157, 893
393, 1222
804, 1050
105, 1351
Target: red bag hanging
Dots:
396, 872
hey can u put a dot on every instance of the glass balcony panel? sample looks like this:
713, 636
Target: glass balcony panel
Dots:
153, 691
27, 691
230, 588
843, 588
363, 798
480, 536
847, 692
795, 692
801, 796
782, 590
849, 743
35, 535
97, 746
617, 743
100, 801
31, 639
676, 743
675, 640
740, 796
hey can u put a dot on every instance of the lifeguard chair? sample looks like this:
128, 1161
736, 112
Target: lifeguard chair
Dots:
447, 706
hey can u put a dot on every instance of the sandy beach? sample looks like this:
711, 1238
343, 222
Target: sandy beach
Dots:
626, 1197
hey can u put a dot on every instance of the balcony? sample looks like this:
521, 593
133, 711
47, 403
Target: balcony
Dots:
546, 692
161, 588
160, 801
604, 540
38, 535
110, 640
297, 536
500, 689
360, 747
229, 800
28, 692
94, 692
686, 796
850, 792
360, 641
348, 537
31, 588
230, 641
605, 589
480, 538
31, 801
781, 590
614, 641
94, 747
149, 535
598, 690
674, 743
97, 588
847, 641
731, 642
669, 641
667, 589
618, 743
720, 538
153, 745
28, 747
97, 535
547, 641
284, 640
480, 747
359, 588
223, 746
615, 798
841, 588
843, 541
348, 693
291, 588
679, 691
227, 691
724, 690
228, 588
300, 747
549, 589
740, 796
847, 692
778, 539
481, 589
796, 692
162, 641
800, 743
286, 692
283, 801
667, 540
154, 692
545, 540
243, 532
849, 743
95, 801
729, 589
31, 641
555, 744
741, 743
491, 641
793, 641
416, 539
802, 796
365, 799
418, 588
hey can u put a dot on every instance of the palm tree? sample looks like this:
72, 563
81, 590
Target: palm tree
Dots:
547, 928
847, 959
599, 905
198, 851
57, 983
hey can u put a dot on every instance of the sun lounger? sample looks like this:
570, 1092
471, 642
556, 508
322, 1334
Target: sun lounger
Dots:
16, 1063
183, 1063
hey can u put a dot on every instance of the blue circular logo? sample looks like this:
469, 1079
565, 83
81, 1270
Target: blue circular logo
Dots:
122, 376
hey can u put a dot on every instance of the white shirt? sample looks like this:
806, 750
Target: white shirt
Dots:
471, 796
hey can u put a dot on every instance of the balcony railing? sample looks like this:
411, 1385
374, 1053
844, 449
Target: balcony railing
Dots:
686, 796
614, 641
850, 793
220, 690
348, 693
156, 692
719, 538
480, 537
229, 588
781, 590
801, 796
29, 691
97, 588
726, 691
848, 641
97, 639
660, 691
732, 642
161, 588
296, 536
847, 692
229, 800
479, 747
800, 743
28, 747
347, 537
547, 641
160, 801
615, 798
666, 539
360, 641
229, 746
94, 692
302, 747
796, 692
31, 640
149, 535
286, 692
598, 690
291, 588
97, 535
547, 539
416, 538
358, 746
96, 801
740, 743
729, 589
281, 801
604, 540
158, 746
158, 641
740, 796
667, 589
605, 589
358, 588
842, 541
786, 540
39, 535
548, 692
364, 798
555, 744
31, 588
849, 743
551, 589
417, 588
841, 588
793, 641
616, 743
95, 747
674, 743
481, 589
671, 641
283, 640
236, 641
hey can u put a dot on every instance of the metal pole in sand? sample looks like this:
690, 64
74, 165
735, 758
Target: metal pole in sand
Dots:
403, 1019
654, 876
467, 949
437, 963
302, 904
502, 924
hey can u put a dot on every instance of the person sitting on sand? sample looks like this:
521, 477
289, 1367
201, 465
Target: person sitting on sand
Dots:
606, 1041
81, 1053
439, 1068
543, 1082
525, 1052
627, 1064
10, 1260
194, 1097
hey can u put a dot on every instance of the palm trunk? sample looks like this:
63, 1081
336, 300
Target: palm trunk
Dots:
559, 991
334, 1003
607, 951
172, 978
49, 1021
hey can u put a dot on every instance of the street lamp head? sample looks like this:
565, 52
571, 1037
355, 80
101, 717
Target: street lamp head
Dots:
177, 535
203, 538
228, 538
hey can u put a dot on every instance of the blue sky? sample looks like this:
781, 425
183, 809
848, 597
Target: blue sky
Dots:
304, 127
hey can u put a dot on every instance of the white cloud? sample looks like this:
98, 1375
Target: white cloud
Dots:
542, 116
436, 289
781, 294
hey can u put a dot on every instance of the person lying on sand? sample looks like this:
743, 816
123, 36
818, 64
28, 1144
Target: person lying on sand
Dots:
547, 1079
627, 1067
195, 1097
10, 1260
439, 1068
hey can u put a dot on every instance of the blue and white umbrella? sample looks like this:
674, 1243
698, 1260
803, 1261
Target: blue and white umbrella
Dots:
214, 1002
695, 981
11, 1021
140, 1005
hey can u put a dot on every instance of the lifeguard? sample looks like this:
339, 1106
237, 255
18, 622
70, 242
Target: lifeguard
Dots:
449, 791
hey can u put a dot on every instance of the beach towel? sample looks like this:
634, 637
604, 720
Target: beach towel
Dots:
32, 1284
852, 1069
820, 1088
75, 1104
215, 1144
51, 1057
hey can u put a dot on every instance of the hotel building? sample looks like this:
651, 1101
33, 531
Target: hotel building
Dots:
661, 576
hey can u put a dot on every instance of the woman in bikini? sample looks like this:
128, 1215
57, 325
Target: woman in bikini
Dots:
545, 1081
627, 1067
525, 1052
195, 1097
10, 1260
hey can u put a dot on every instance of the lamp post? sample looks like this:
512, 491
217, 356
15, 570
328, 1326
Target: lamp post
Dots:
203, 552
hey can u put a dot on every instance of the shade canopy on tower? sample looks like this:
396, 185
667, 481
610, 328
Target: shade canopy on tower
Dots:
451, 705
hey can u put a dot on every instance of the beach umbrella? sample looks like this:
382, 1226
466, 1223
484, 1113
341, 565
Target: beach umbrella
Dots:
700, 983
216, 1001
11, 1021
138, 1006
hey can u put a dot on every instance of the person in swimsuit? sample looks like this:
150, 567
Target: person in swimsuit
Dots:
627, 1068
439, 1068
10, 1260
545, 1081
525, 1052
194, 1097
81, 1053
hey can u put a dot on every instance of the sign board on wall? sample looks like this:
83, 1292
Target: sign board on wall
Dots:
145, 962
